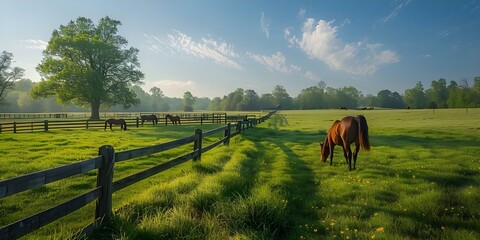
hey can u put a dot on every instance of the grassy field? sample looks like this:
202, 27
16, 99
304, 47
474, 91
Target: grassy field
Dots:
420, 181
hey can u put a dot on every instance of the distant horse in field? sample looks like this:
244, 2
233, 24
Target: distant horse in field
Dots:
173, 119
345, 132
111, 121
343, 108
151, 117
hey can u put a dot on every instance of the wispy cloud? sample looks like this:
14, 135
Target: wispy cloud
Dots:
180, 43
311, 75
286, 35
472, 6
265, 25
275, 62
35, 44
320, 41
302, 12
396, 10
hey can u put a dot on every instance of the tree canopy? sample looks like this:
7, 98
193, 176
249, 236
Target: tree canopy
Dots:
89, 65
188, 101
8, 75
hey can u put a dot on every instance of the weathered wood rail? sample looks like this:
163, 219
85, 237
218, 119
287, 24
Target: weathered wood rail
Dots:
105, 187
186, 119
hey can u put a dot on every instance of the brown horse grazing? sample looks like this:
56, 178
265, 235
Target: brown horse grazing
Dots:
111, 121
345, 132
174, 119
151, 117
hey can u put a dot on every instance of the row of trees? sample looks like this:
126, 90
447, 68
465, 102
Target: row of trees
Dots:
88, 66
19, 99
439, 95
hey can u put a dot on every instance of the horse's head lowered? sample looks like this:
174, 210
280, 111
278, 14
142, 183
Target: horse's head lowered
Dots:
324, 150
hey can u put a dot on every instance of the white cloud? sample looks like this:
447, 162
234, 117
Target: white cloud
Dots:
169, 87
220, 52
275, 62
174, 83
311, 75
320, 41
265, 25
35, 44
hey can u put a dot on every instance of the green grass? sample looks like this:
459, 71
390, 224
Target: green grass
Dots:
420, 181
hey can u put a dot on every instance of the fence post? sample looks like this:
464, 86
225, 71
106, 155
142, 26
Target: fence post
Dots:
86, 123
197, 145
45, 125
137, 122
103, 208
239, 127
14, 127
227, 135
0, 128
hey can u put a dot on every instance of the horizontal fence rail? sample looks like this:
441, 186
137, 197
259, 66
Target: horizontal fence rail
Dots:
105, 162
132, 120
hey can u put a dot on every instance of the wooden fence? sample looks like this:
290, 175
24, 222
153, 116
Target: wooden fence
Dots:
186, 119
105, 187
83, 115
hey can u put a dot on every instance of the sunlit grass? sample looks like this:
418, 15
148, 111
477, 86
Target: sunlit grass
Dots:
420, 181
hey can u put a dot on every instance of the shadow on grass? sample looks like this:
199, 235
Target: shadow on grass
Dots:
298, 180
405, 141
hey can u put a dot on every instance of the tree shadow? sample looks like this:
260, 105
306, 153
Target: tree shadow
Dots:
299, 181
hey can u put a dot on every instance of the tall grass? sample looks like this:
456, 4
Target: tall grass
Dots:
420, 181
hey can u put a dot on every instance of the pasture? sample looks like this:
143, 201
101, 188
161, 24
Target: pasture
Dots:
419, 181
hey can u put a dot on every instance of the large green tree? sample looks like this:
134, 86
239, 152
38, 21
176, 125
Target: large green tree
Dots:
388, 99
415, 97
157, 94
311, 98
188, 101
8, 75
89, 65
250, 101
437, 94
282, 98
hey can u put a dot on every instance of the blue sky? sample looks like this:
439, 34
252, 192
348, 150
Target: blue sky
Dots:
211, 48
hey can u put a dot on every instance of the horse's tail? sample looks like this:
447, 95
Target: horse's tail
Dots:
363, 132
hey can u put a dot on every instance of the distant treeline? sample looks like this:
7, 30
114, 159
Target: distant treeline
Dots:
440, 95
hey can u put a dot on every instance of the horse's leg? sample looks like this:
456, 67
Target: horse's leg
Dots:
344, 148
350, 158
355, 153
332, 147
348, 154
111, 127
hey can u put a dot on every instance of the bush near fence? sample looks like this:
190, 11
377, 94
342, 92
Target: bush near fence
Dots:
186, 119
105, 187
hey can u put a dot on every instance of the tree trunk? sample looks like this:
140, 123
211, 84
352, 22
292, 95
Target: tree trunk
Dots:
95, 111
